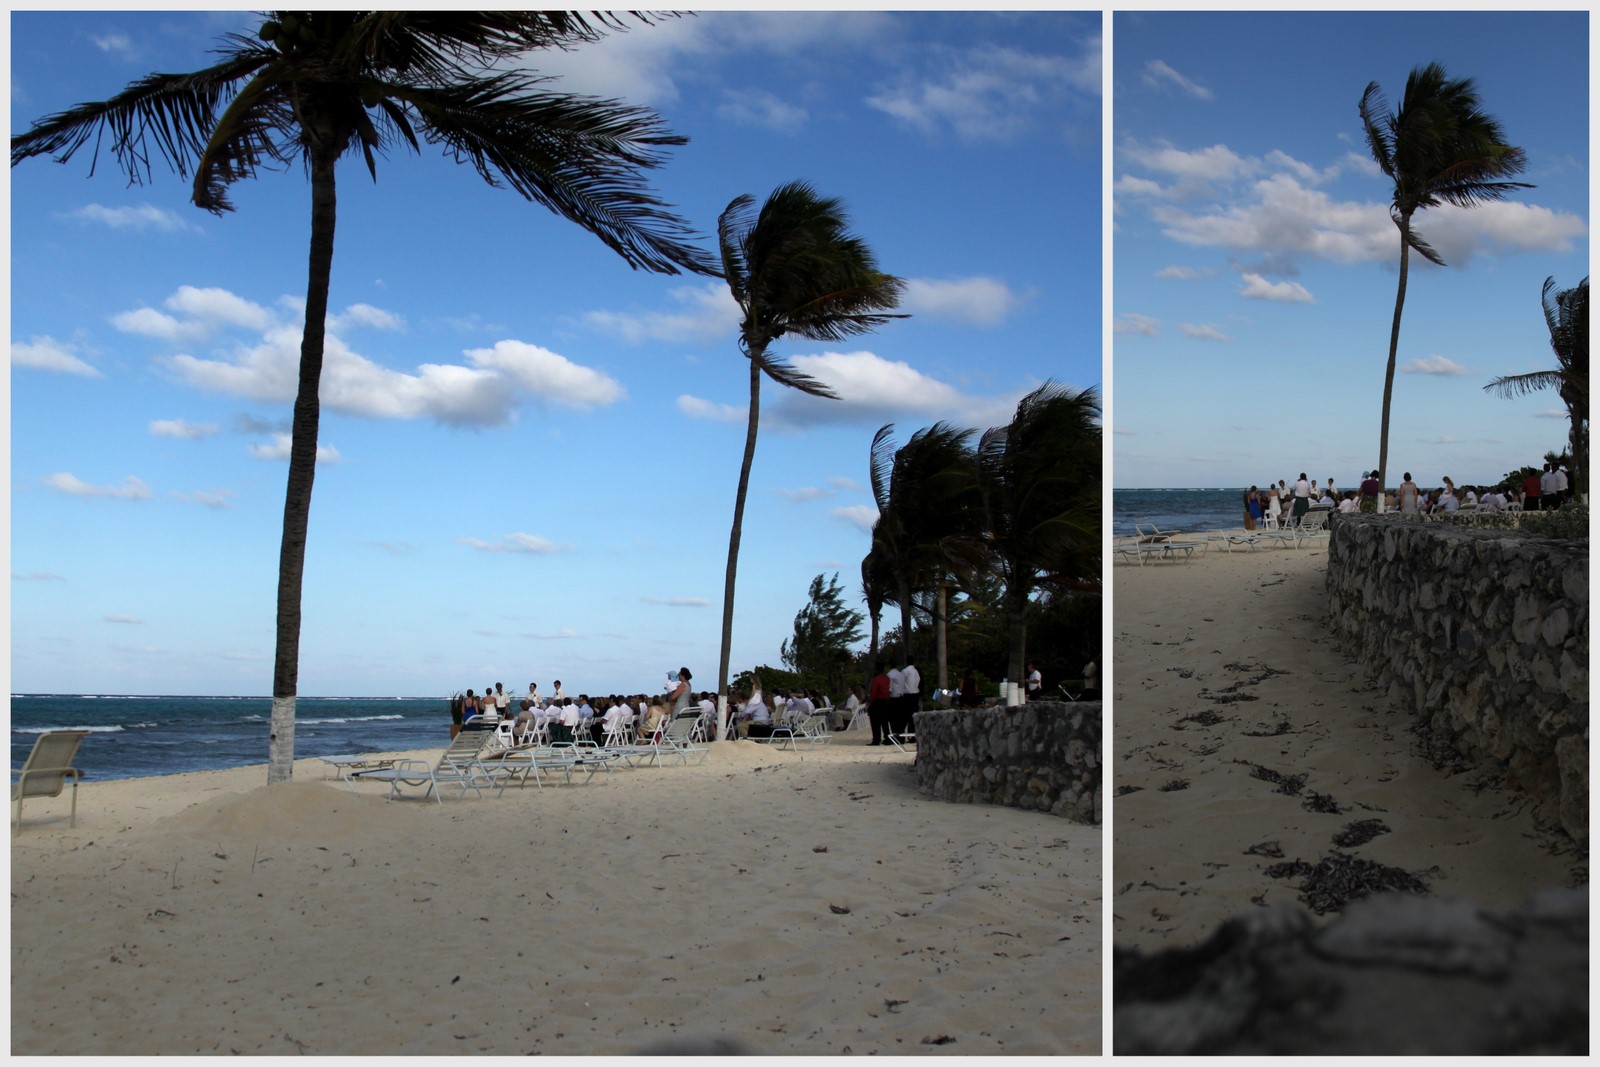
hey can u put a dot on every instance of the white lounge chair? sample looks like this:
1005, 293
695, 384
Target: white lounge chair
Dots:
678, 738
458, 765
47, 770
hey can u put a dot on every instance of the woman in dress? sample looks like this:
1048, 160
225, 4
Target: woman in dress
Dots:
1253, 506
1274, 506
1408, 496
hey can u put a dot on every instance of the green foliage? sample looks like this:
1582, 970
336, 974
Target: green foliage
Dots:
1569, 523
775, 680
824, 630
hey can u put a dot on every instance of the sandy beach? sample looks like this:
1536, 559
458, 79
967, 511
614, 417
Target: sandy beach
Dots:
1245, 739
207, 913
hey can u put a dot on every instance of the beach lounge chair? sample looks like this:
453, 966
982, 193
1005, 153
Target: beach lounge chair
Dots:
458, 765
904, 741
1313, 524
678, 739
46, 771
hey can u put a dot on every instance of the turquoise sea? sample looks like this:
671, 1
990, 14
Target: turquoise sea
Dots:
1185, 510
136, 736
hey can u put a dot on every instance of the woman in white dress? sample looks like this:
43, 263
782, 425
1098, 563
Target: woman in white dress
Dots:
1274, 507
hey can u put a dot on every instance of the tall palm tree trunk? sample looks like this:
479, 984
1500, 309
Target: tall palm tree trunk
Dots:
1016, 637
1394, 348
734, 535
940, 640
302, 471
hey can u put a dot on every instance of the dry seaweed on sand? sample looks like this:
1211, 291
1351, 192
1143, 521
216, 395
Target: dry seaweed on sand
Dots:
1321, 803
1124, 790
1340, 878
1204, 718
1279, 728
1288, 784
1360, 832
1175, 785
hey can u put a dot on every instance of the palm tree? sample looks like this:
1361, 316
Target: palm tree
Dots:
1439, 147
924, 494
793, 269
318, 85
1039, 481
1566, 313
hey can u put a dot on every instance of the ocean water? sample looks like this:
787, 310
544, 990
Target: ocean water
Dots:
1185, 510
137, 736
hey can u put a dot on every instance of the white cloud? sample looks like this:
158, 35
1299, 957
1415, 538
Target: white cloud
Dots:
841, 482
36, 576
148, 322
709, 314
482, 393
46, 353
981, 301
114, 42
1258, 288
805, 495
1217, 163
876, 389
858, 515
988, 93
1158, 74
558, 635
1553, 413
216, 499
140, 217
365, 315
757, 107
1183, 273
1131, 322
185, 430
547, 375
281, 444
131, 488
677, 601
127, 620
1202, 332
1439, 365
696, 408
1128, 185
519, 543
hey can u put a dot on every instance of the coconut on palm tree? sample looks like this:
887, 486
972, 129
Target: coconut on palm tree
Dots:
1440, 147
1566, 314
316, 86
793, 269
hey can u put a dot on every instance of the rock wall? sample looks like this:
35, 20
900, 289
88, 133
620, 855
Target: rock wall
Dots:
1484, 634
1043, 756
1394, 974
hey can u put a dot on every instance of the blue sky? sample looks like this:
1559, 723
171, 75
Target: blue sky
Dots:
530, 451
1255, 263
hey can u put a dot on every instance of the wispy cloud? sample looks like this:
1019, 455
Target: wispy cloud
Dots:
1202, 331
696, 408
979, 301
1132, 322
522, 543
125, 620
1159, 75
809, 493
704, 314
861, 516
757, 107
131, 488
36, 576
1438, 365
141, 217
216, 499
48, 354
1258, 288
181, 429
677, 601
280, 445
989, 93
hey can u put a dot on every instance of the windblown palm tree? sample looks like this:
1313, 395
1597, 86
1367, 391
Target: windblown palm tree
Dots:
316, 86
924, 492
793, 268
1440, 147
1566, 313
1039, 480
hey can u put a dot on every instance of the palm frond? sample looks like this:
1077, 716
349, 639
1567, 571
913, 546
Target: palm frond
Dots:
780, 371
1511, 386
246, 134
734, 222
882, 464
578, 156
171, 113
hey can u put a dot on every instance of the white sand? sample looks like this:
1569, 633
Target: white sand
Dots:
209, 913
1180, 864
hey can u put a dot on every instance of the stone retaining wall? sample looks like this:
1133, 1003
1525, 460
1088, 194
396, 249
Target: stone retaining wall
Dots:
1484, 634
1043, 756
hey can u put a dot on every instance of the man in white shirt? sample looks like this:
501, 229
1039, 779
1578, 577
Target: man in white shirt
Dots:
1561, 483
1035, 681
800, 708
1302, 497
1349, 504
1547, 488
756, 717
911, 700
1447, 501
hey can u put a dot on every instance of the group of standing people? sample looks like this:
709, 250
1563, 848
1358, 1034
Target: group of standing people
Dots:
893, 697
1284, 504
